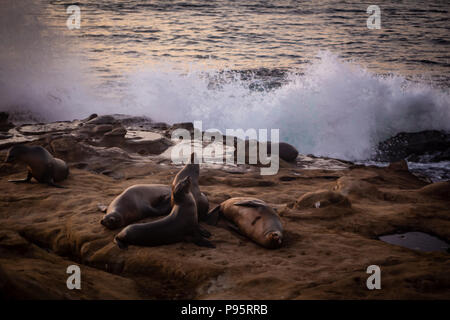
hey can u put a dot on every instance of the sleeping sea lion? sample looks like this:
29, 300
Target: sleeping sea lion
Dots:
137, 202
252, 218
180, 225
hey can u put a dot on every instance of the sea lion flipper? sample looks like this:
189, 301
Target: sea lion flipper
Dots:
204, 233
52, 184
202, 242
234, 228
27, 179
250, 203
213, 216
120, 243
19, 180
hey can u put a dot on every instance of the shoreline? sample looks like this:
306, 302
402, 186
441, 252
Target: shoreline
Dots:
326, 253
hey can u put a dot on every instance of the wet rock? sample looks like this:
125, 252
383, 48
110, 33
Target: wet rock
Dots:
4, 136
92, 116
135, 123
106, 119
322, 198
117, 132
145, 142
115, 137
424, 146
101, 129
45, 128
401, 165
5, 125
160, 126
189, 126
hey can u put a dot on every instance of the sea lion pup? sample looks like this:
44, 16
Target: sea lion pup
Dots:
252, 218
137, 202
180, 225
41, 164
192, 170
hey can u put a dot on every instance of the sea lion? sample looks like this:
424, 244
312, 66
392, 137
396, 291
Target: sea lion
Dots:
180, 225
252, 218
192, 170
41, 164
137, 202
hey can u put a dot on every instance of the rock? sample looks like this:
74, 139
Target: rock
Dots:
92, 116
146, 142
101, 129
401, 165
322, 198
115, 137
160, 125
437, 189
4, 117
424, 146
4, 124
107, 119
189, 126
45, 128
4, 136
70, 149
352, 187
117, 132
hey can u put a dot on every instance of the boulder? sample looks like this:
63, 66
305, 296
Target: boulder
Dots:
424, 146
106, 119
4, 124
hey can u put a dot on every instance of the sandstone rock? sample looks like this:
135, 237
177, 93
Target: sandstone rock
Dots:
322, 198
189, 126
401, 165
437, 189
117, 132
102, 128
348, 186
106, 119
70, 149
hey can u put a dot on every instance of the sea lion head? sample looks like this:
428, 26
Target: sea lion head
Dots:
15, 153
274, 239
181, 189
112, 220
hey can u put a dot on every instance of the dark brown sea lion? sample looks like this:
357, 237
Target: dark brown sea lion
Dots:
252, 218
41, 164
180, 225
192, 170
137, 202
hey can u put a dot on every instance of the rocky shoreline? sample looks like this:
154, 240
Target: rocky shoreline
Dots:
333, 212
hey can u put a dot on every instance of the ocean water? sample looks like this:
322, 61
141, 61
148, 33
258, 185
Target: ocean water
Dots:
309, 68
